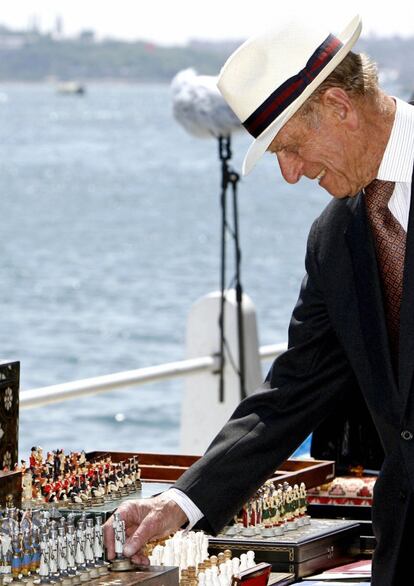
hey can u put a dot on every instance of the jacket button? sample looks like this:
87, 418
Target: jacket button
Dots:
407, 435
402, 495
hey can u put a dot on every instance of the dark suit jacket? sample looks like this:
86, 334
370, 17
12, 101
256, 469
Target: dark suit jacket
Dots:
337, 342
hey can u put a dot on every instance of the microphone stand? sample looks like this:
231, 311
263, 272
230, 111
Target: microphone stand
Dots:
230, 177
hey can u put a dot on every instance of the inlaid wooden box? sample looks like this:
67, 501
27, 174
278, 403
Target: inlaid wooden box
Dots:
9, 413
323, 544
169, 467
151, 576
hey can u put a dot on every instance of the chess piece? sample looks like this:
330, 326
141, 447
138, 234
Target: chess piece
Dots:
16, 561
303, 504
71, 553
53, 554
98, 547
44, 559
80, 552
27, 553
36, 553
89, 555
120, 563
62, 552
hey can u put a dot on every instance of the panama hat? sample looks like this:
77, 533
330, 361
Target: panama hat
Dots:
268, 78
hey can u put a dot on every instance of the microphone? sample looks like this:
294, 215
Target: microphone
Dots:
199, 106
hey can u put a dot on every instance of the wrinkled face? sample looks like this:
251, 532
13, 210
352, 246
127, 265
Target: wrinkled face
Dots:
326, 150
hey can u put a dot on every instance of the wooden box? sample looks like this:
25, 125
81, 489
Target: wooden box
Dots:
323, 544
169, 467
10, 489
151, 576
9, 414
10, 482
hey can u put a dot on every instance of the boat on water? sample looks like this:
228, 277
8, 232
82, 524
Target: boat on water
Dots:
71, 88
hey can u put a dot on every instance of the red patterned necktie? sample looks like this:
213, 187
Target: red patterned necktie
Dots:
389, 237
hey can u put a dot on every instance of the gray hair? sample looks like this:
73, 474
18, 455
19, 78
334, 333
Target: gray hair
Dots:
357, 74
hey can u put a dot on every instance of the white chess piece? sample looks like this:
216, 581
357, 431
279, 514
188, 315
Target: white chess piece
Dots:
98, 545
119, 533
71, 547
243, 562
53, 552
44, 559
250, 559
235, 562
89, 538
62, 551
80, 546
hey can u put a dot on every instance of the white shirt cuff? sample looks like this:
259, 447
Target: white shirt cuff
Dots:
186, 504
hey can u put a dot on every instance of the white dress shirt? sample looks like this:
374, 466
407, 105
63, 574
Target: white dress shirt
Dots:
396, 165
398, 160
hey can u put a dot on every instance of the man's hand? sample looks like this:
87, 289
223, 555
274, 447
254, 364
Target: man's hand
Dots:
145, 519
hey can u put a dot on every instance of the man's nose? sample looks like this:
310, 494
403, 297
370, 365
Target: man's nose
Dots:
291, 166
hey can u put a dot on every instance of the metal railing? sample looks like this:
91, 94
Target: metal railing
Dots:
101, 384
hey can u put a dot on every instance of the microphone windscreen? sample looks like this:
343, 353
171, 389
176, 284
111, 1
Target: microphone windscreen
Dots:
199, 106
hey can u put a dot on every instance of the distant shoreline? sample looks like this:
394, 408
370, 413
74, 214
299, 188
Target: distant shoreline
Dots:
86, 82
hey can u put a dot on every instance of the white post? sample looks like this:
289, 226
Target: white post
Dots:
203, 414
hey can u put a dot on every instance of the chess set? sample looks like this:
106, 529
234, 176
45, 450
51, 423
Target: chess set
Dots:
275, 524
189, 551
36, 548
54, 498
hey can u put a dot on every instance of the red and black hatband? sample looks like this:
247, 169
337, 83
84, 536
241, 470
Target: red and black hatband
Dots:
291, 89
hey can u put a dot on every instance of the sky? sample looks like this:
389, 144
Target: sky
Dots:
178, 21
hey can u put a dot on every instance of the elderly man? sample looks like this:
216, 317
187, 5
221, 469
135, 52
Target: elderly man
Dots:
308, 99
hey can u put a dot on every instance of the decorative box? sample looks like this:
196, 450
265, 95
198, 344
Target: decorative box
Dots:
323, 544
169, 467
344, 490
150, 576
9, 414
346, 497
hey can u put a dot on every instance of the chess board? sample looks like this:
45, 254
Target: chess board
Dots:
323, 544
150, 576
106, 509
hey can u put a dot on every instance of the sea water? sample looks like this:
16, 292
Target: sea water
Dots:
110, 230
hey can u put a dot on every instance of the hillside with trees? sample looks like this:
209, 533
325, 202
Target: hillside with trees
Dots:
32, 56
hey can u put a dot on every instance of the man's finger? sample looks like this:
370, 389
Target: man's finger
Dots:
140, 560
146, 531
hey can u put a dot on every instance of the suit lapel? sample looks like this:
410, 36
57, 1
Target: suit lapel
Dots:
406, 344
370, 303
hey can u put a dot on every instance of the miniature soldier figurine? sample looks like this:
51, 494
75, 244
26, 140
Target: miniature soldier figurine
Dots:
27, 481
120, 563
80, 547
62, 552
16, 563
32, 458
303, 504
53, 553
98, 546
35, 561
89, 556
267, 530
44, 559
27, 553
71, 549
6, 553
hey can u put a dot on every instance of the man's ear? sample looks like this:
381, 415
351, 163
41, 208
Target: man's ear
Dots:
340, 107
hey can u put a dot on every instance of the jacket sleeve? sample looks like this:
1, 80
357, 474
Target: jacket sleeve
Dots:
300, 390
